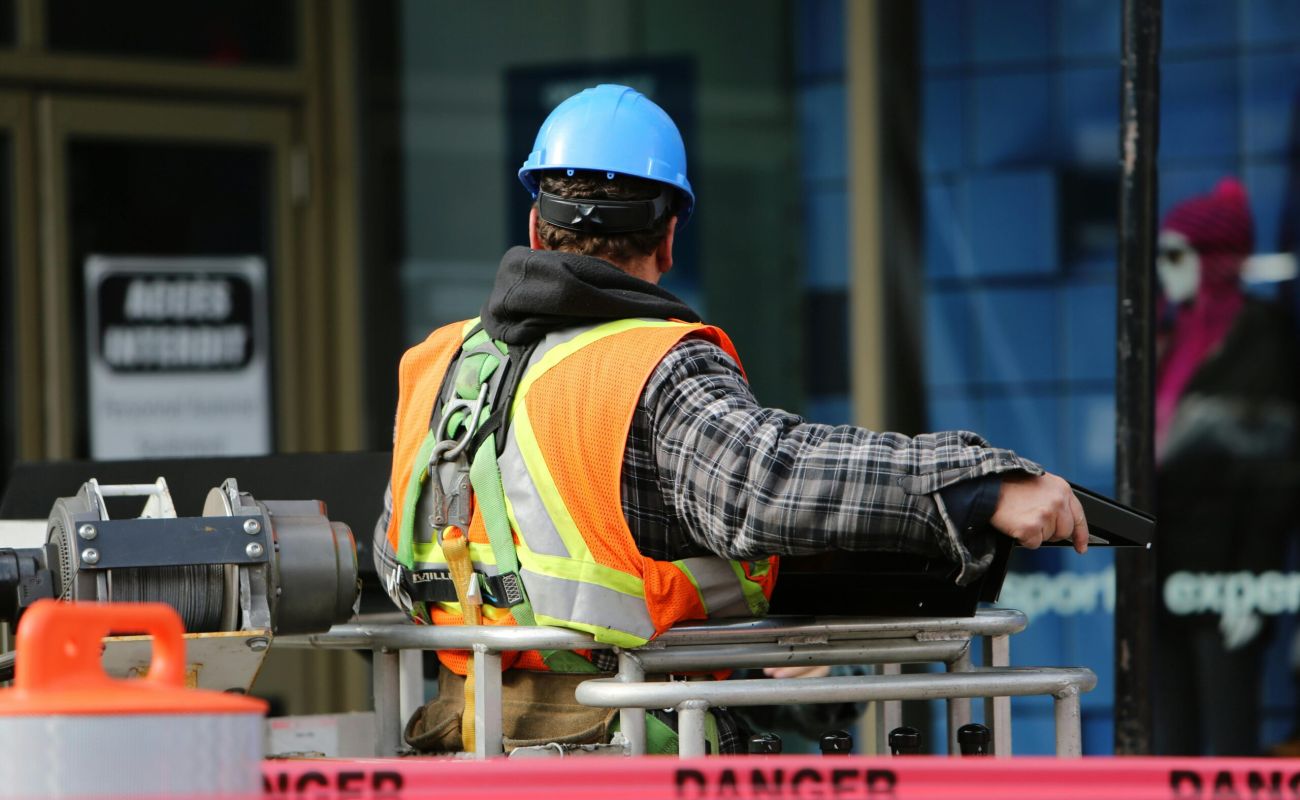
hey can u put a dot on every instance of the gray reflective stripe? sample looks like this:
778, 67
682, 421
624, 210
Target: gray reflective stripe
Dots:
536, 526
555, 339
719, 586
588, 604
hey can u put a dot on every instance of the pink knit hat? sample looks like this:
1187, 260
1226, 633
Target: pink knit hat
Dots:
1218, 222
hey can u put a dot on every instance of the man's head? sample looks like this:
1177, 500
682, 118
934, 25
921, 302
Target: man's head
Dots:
608, 171
586, 185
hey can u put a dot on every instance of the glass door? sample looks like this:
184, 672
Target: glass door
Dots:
173, 184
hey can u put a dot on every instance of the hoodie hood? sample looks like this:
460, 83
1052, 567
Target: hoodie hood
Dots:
540, 291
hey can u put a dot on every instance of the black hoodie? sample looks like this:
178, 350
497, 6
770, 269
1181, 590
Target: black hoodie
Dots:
540, 291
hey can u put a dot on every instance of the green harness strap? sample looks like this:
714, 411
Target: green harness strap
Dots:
406, 543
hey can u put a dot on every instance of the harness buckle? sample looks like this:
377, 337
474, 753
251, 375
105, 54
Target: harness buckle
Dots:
438, 518
513, 591
457, 503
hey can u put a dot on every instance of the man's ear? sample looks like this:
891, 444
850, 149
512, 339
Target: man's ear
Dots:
664, 252
534, 240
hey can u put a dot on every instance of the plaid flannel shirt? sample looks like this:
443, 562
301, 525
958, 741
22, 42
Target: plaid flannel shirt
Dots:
709, 470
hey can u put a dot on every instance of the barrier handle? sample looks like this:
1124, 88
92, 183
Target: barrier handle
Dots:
59, 643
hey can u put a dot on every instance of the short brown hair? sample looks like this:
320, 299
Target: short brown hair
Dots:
597, 186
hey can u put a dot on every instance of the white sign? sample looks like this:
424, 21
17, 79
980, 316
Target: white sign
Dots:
177, 357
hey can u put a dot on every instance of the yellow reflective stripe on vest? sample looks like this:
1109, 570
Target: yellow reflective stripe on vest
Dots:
428, 555
543, 485
586, 571
561, 351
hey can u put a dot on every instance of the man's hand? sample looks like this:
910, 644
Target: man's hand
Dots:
1037, 509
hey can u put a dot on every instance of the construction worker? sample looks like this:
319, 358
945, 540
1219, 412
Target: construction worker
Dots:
588, 454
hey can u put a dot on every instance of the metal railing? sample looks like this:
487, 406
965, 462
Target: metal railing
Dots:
884, 641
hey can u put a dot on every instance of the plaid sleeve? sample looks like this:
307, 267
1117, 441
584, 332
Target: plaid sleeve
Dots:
748, 481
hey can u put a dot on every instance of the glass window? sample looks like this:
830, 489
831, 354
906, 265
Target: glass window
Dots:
163, 199
1020, 273
218, 33
477, 81
1018, 153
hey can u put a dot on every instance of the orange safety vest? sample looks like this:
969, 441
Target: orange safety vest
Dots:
561, 469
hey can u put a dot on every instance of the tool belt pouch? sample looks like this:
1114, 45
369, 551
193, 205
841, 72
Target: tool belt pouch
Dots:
536, 708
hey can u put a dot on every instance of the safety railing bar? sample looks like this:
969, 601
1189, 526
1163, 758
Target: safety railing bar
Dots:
351, 636
1012, 681
986, 622
844, 651
368, 636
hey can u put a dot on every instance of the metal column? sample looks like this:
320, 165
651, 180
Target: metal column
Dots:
1134, 371
388, 715
889, 713
411, 679
690, 728
631, 721
1069, 738
487, 703
958, 707
997, 710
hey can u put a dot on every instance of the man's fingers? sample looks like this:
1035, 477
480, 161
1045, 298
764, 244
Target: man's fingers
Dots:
1034, 510
1064, 517
1031, 537
1080, 525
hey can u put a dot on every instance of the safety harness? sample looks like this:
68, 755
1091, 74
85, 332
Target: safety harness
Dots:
460, 461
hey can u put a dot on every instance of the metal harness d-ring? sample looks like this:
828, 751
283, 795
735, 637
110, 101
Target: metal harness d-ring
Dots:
451, 448
486, 393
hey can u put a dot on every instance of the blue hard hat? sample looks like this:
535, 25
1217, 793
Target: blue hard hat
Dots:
612, 128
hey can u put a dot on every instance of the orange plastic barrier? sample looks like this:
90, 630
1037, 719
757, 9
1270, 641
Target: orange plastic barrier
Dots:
69, 730
775, 778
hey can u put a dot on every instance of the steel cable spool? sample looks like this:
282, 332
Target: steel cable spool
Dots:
244, 564
197, 592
